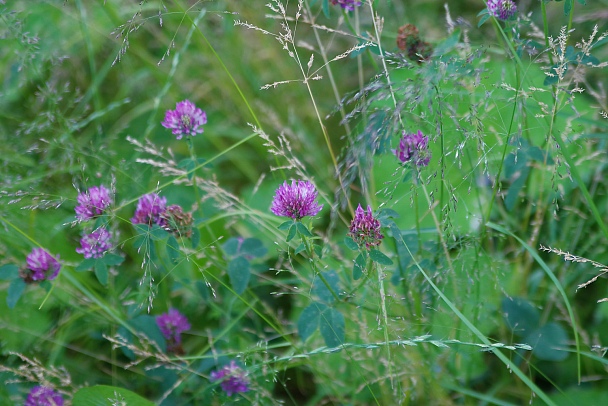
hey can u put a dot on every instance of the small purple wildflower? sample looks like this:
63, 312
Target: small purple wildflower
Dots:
94, 245
92, 203
502, 9
365, 228
296, 201
234, 379
43, 396
41, 265
172, 325
414, 147
186, 119
348, 5
150, 210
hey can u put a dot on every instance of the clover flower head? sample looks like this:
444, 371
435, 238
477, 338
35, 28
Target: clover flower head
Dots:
365, 228
234, 379
414, 147
408, 40
93, 202
43, 396
150, 210
178, 222
502, 9
348, 5
96, 244
296, 200
172, 324
41, 266
186, 119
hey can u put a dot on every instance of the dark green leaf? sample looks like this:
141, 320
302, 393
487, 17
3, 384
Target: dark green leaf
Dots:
112, 259
86, 264
380, 258
8, 272
299, 248
173, 250
253, 247
231, 247
101, 272
15, 290
147, 325
326, 8
321, 291
157, 233
196, 237
309, 319
286, 225
331, 325
359, 266
483, 19
318, 250
291, 233
351, 244
101, 395
516, 187
549, 342
521, 317
568, 6
239, 273
303, 230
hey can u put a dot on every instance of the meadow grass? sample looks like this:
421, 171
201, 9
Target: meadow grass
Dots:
348, 209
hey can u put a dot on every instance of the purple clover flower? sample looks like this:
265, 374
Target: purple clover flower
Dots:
348, 5
502, 9
186, 119
94, 245
43, 396
41, 266
234, 379
172, 324
296, 201
365, 228
150, 210
414, 147
93, 202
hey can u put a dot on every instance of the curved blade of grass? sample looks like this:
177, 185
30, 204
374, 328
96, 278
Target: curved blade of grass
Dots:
512, 367
555, 281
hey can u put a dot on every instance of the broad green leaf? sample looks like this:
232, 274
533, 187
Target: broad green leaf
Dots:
359, 265
291, 233
549, 342
231, 247
521, 317
239, 273
101, 272
253, 247
157, 233
173, 250
196, 237
351, 244
319, 288
148, 326
309, 319
86, 264
8, 272
112, 259
516, 187
102, 395
15, 290
379, 257
303, 230
299, 248
331, 325
286, 225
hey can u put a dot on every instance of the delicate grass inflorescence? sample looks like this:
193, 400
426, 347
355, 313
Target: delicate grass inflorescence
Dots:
430, 158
